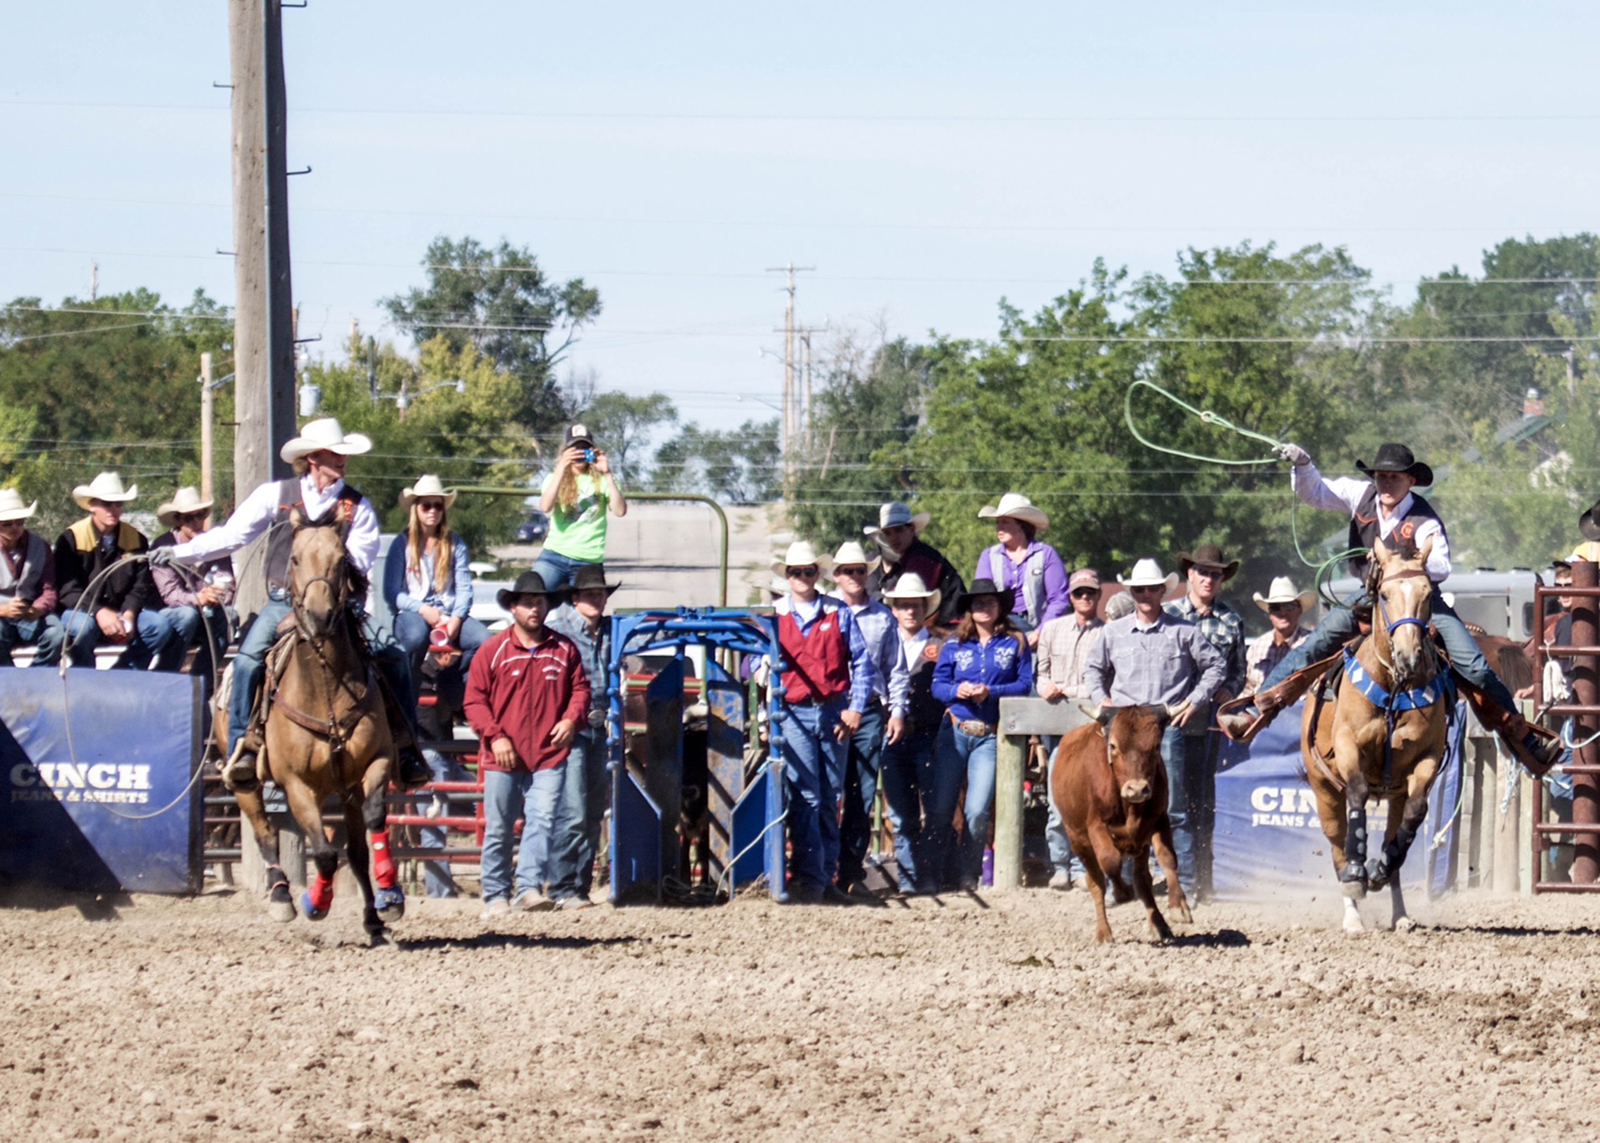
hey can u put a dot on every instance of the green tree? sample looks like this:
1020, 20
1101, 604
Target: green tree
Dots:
623, 423
742, 466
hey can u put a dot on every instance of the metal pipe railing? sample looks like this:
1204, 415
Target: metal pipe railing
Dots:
1584, 650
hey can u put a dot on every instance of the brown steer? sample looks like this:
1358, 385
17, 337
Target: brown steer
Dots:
1110, 785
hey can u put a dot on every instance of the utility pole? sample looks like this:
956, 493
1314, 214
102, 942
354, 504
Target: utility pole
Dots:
804, 333
208, 411
791, 420
94, 281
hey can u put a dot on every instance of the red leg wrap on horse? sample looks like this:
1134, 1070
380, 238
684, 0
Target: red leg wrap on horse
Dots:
321, 893
382, 863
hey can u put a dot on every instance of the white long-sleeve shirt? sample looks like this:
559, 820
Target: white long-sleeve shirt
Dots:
255, 515
1344, 494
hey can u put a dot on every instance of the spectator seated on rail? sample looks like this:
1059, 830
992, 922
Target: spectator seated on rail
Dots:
27, 586
1021, 562
576, 496
106, 594
427, 582
195, 600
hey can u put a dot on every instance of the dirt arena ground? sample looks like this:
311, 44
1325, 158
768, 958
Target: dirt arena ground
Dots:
933, 1019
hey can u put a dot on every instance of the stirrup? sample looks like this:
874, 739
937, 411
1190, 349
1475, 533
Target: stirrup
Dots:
239, 773
1235, 733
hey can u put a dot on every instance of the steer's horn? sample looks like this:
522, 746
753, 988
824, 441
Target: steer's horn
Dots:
1104, 715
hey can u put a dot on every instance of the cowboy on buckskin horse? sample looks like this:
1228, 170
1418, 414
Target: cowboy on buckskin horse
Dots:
1384, 505
319, 491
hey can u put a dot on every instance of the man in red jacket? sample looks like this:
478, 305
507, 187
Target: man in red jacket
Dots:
527, 694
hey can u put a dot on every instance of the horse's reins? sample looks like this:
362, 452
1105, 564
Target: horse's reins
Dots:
1390, 626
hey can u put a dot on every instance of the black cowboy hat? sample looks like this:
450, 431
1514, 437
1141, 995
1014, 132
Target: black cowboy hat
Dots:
1208, 555
591, 576
1398, 458
1007, 597
528, 583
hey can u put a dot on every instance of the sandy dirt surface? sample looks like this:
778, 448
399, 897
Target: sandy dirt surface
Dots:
947, 1018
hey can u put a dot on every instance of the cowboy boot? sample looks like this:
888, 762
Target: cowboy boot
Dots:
1538, 749
240, 774
1241, 726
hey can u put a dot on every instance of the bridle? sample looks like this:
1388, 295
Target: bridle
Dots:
1390, 626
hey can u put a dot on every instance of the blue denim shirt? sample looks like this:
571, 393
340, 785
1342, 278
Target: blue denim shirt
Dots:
454, 600
594, 651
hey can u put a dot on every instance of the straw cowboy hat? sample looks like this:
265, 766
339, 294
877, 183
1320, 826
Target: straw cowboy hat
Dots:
1018, 507
1584, 553
895, 513
910, 586
107, 487
1007, 597
1282, 591
800, 554
528, 583
850, 552
427, 485
1398, 458
1146, 573
187, 500
324, 435
1208, 555
11, 507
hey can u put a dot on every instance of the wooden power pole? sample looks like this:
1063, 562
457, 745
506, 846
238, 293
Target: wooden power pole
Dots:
208, 415
791, 390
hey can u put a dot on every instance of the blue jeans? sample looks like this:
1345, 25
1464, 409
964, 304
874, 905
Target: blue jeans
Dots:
1062, 859
411, 631
151, 639
576, 835
556, 569
960, 752
941, 790
863, 758
908, 776
45, 634
436, 875
1182, 781
506, 797
189, 629
813, 772
1339, 625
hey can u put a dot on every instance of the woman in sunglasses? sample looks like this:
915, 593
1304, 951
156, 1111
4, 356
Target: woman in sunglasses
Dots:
428, 584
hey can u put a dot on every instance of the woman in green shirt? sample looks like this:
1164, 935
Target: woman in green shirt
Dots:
575, 496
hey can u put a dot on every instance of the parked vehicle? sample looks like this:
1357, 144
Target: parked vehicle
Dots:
532, 530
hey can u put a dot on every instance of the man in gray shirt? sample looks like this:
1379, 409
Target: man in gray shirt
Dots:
1152, 657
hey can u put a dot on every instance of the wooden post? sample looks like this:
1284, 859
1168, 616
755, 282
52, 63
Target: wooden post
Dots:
1507, 829
1009, 767
208, 412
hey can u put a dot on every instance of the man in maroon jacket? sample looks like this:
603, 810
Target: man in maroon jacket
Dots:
527, 694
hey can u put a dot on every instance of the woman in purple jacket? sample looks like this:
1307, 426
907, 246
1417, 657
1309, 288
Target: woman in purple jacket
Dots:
987, 659
1031, 568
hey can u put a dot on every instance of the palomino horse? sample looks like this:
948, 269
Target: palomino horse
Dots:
326, 734
1383, 736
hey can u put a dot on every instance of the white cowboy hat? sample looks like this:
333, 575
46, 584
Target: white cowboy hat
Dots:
11, 505
1148, 572
800, 554
1282, 591
108, 487
324, 435
777, 585
1018, 507
910, 586
850, 552
187, 500
427, 485
895, 513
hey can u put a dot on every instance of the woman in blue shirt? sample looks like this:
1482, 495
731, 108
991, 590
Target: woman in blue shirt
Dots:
987, 659
426, 580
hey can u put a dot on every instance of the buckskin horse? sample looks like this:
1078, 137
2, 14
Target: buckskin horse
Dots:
1383, 736
326, 735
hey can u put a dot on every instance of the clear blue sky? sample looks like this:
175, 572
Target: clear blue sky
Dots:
927, 158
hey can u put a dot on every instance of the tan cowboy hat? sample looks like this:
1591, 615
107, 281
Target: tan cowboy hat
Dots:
910, 586
1018, 507
800, 554
108, 487
427, 485
11, 507
895, 513
324, 435
187, 500
1282, 591
850, 552
1148, 572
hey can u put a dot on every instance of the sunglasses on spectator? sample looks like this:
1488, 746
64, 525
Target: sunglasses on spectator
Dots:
1085, 592
194, 516
1282, 608
430, 505
12, 523
1136, 588
1208, 573
851, 569
801, 573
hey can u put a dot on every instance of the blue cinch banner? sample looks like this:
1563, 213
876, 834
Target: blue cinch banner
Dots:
1268, 843
72, 806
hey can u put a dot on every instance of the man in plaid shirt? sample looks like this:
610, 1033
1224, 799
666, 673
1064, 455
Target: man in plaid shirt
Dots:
1205, 571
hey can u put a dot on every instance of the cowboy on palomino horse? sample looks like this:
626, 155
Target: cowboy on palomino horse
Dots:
1385, 506
319, 492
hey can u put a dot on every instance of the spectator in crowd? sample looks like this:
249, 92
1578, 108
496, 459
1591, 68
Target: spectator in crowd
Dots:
1284, 607
1063, 648
904, 550
436, 721
914, 791
1153, 657
527, 697
427, 580
122, 606
576, 838
194, 603
317, 491
883, 721
1204, 573
827, 685
1119, 605
27, 586
575, 496
987, 659
1028, 566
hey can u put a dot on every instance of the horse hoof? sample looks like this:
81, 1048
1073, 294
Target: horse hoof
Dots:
379, 938
311, 911
281, 911
390, 903
1354, 925
1404, 924
1377, 874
